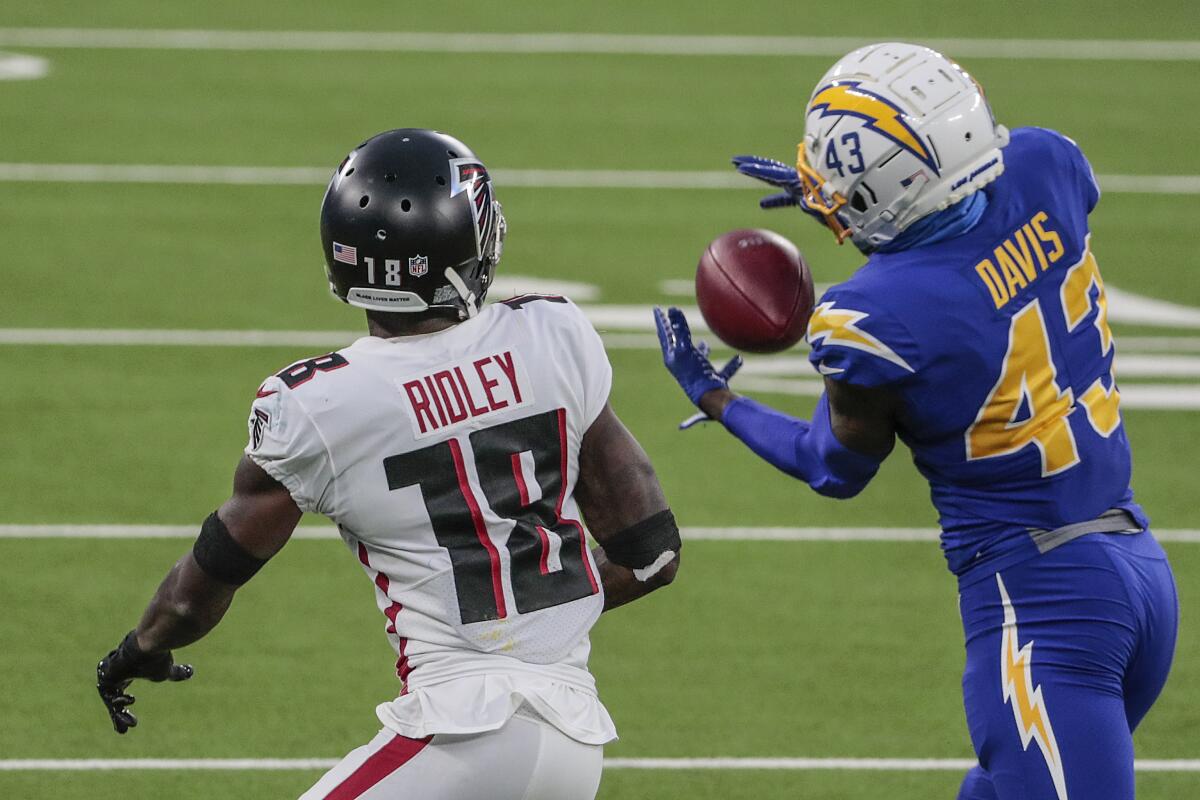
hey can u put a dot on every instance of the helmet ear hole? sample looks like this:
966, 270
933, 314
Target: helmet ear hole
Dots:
858, 202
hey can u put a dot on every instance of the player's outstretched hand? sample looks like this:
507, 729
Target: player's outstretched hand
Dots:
688, 362
779, 174
117, 670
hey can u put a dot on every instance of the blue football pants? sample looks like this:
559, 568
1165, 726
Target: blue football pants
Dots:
1066, 653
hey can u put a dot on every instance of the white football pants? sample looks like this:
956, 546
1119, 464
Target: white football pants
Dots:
527, 759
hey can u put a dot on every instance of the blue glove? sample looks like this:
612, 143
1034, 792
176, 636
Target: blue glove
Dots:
776, 173
688, 362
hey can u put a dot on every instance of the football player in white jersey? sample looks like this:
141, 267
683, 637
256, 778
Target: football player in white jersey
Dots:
456, 448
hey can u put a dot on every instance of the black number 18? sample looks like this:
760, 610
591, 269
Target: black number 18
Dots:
458, 523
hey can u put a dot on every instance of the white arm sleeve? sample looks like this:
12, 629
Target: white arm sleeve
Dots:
286, 443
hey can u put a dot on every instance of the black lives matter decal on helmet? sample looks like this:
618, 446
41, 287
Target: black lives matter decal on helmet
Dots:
470, 176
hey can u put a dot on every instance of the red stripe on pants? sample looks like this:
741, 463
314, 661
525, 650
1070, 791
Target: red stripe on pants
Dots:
386, 760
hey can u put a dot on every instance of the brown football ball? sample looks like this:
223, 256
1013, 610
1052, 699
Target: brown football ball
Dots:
754, 290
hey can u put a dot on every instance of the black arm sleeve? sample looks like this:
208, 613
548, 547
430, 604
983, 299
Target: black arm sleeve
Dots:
642, 543
221, 557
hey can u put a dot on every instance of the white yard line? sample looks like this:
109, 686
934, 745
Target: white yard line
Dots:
135, 532
1126, 306
735, 534
844, 764
522, 178
1158, 344
1129, 365
319, 176
16, 67
110, 337
1151, 396
99, 764
624, 326
627, 328
176, 337
621, 325
578, 43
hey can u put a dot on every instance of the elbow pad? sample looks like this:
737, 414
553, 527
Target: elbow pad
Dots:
806, 450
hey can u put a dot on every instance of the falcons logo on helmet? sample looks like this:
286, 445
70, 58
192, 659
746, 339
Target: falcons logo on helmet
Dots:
470, 176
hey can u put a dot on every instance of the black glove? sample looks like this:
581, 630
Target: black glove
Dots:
117, 670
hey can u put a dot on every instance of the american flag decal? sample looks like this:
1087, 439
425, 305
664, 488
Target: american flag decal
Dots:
345, 254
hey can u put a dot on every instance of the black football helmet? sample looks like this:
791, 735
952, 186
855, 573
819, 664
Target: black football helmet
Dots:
410, 223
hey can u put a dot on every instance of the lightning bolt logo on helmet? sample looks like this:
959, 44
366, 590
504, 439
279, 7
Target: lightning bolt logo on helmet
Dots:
880, 115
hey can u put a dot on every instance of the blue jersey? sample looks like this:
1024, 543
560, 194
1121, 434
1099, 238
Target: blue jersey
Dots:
998, 344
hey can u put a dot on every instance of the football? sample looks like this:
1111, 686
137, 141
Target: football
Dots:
754, 290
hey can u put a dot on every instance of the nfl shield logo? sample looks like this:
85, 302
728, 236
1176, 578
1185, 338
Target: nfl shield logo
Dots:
418, 266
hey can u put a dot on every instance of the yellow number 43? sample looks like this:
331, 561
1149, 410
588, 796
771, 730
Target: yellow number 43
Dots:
1028, 380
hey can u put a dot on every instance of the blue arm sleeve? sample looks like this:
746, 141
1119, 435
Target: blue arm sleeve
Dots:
805, 450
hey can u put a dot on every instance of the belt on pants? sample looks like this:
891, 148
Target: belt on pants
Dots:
1115, 520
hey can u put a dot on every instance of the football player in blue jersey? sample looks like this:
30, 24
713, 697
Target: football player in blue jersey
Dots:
977, 333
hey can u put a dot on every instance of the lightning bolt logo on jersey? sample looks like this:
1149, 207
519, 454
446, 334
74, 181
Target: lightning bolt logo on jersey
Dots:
837, 326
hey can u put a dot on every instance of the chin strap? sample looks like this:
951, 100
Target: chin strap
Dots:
466, 294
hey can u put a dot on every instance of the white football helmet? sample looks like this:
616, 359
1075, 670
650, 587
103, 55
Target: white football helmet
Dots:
892, 133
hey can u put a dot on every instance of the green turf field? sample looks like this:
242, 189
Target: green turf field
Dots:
773, 650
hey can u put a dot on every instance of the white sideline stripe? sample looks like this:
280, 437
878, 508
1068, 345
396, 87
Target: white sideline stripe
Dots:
521, 178
742, 534
573, 43
849, 764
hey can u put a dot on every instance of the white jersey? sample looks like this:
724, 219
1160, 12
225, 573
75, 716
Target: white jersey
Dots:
448, 461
